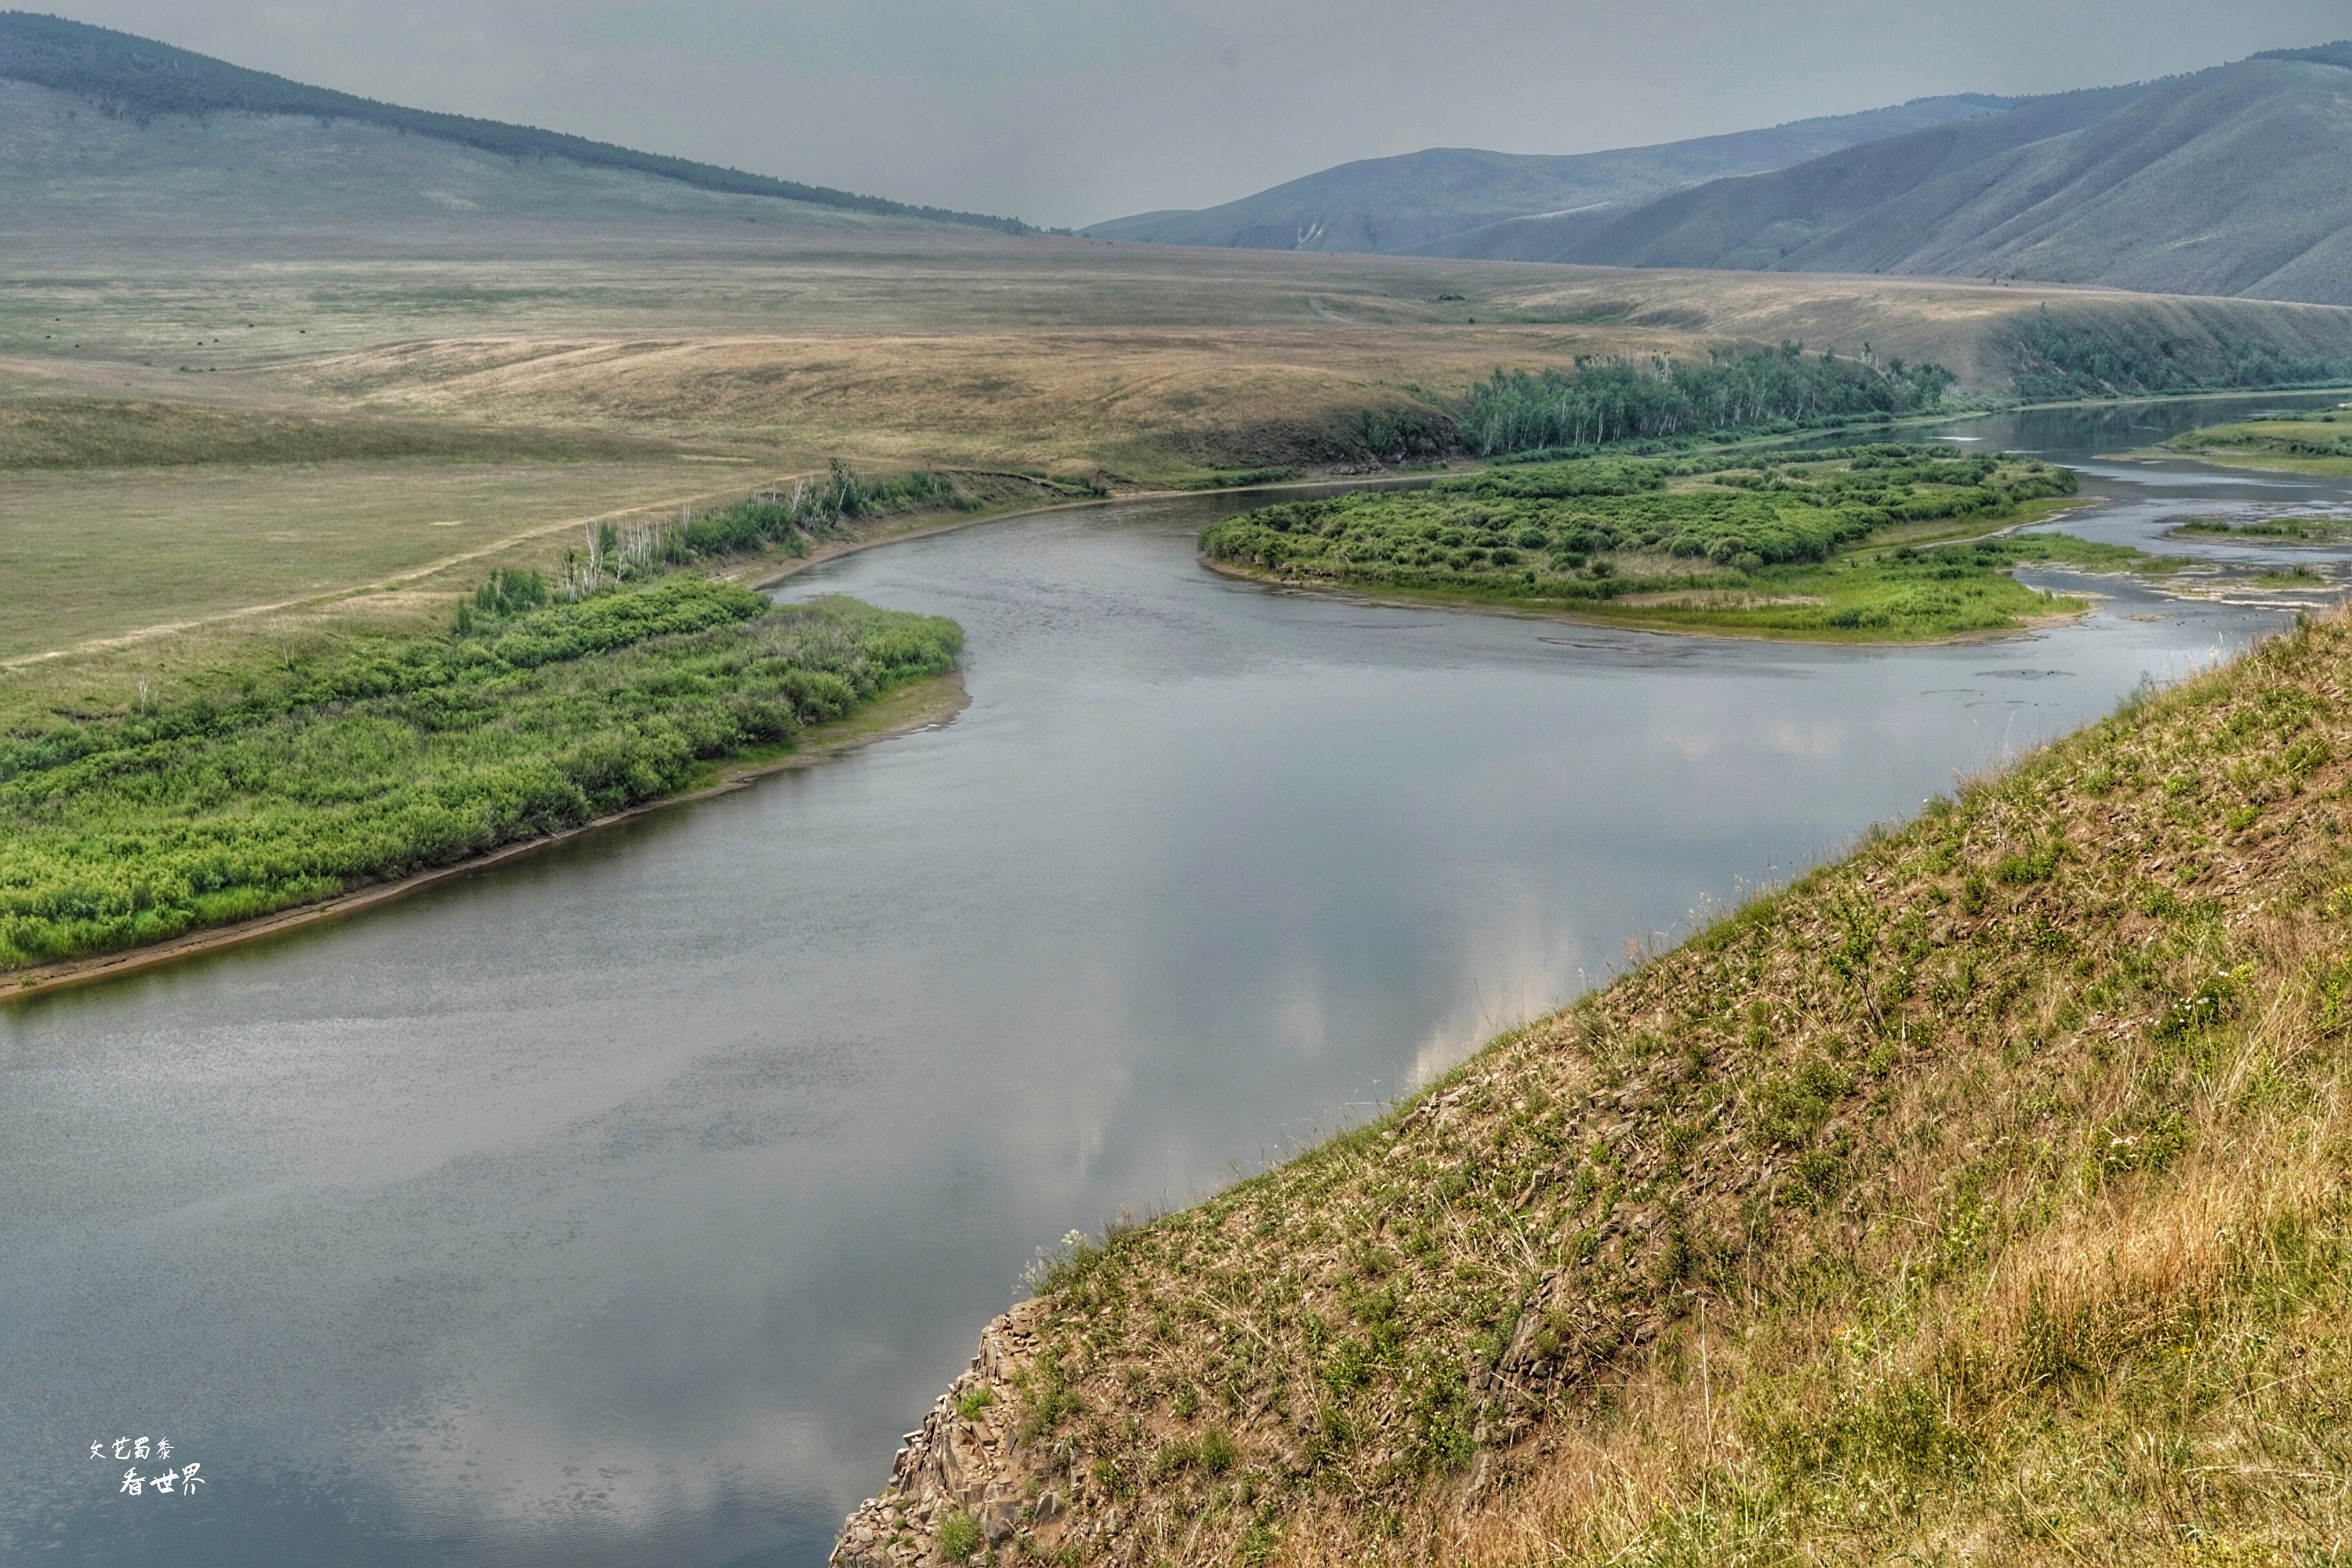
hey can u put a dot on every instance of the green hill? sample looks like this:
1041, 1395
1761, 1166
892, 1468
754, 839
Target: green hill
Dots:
1979, 1198
141, 81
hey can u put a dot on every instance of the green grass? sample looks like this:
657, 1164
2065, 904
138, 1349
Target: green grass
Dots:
1978, 1198
2272, 529
1769, 546
391, 755
2319, 443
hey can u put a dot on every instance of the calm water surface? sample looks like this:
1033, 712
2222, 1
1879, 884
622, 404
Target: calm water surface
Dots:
623, 1206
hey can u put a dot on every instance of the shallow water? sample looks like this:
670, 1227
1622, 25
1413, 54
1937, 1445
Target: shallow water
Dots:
623, 1206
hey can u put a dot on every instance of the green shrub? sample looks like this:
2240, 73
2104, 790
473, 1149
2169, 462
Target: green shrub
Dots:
958, 1536
393, 757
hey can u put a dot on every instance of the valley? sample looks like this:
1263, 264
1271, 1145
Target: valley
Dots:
1642, 853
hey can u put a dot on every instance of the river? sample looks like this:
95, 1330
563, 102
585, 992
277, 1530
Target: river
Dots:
624, 1205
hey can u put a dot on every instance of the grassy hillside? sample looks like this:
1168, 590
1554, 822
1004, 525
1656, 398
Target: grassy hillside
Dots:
2228, 182
138, 80
1391, 204
1979, 1197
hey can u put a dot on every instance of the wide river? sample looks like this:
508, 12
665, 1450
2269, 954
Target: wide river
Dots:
623, 1206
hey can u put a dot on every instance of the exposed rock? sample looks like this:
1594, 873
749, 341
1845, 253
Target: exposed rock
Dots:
977, 1463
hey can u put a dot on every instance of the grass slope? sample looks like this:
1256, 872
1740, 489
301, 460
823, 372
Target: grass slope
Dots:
1978, 1198
1766, 547
401, 755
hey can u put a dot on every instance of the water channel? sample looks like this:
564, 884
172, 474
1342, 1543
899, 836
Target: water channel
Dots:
621, 1205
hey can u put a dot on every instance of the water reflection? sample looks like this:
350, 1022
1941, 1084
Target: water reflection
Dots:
623, 1205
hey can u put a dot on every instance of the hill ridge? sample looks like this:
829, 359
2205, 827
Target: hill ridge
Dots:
139, 79
2229, 180
1395, 204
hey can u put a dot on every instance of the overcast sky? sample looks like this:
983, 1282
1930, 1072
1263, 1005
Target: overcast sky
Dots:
1069, 111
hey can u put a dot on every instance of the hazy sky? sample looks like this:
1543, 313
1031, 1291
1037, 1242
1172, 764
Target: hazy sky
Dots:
1068, 111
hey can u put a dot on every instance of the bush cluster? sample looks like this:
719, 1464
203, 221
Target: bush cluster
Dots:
394, 757
1548, 532
1602, 402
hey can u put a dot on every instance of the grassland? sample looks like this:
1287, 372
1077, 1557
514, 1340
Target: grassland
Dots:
1978, 1198
379, 403
401, 755
1823, 545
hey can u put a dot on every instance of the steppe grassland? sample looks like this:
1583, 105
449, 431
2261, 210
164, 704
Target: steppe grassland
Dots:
764, 348
102, 554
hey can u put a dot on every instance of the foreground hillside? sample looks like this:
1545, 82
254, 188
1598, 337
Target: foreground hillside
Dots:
1979, 1197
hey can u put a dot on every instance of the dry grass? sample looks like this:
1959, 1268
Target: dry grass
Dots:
1977, 1199
1139, 402
100, 554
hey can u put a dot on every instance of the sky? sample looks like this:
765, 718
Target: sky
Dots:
1071, 111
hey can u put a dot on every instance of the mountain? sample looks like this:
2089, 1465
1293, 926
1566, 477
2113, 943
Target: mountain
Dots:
140, 81
1749, 216
1399, 204
2232, 181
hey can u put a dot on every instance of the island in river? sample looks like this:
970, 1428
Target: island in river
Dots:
1875, 543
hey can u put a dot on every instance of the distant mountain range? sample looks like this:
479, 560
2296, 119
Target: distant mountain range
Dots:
138, 81
1391, 204
2232, 181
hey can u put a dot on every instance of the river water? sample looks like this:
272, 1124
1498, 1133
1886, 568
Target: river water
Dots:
623, 1206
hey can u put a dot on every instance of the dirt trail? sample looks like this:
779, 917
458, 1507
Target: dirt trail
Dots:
382, 585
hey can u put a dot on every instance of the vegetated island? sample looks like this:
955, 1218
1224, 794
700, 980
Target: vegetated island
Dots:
1884, 542
2318, 442
1986, 1186
2266, 529
389, 757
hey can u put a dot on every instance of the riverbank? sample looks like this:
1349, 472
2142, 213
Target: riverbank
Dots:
1886, 1211
921, 705
336, 782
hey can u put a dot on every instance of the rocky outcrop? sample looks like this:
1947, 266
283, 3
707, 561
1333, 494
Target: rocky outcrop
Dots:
968, 1459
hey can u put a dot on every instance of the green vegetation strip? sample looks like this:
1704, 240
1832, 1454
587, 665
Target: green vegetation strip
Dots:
398, 757
1605, 403
1762, 546
2269, 530
1985, 1187
2304, 443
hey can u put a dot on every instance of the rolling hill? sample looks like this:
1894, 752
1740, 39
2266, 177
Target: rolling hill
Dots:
153, 107
1397, 203
2234, 181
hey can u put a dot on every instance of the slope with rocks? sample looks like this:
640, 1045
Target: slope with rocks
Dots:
1980, 1198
